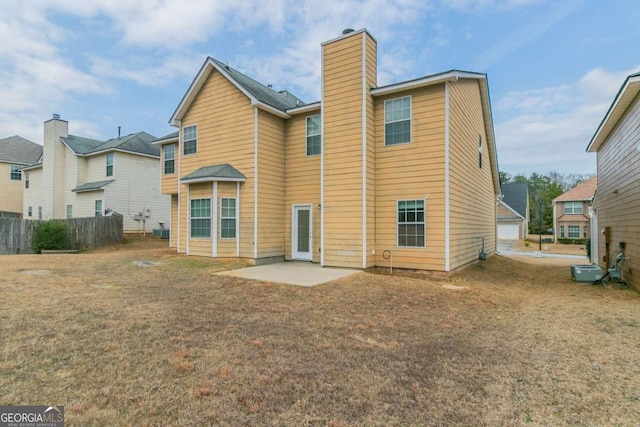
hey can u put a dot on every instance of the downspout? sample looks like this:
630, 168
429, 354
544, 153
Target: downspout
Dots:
255, 186
447, 219
364, 150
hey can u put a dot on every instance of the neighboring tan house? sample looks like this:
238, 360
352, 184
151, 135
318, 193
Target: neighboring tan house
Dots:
15, 153
367, 173
81, 177
571, 211
616, 210
513, 212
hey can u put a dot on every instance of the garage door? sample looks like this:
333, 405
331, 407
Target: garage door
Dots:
508, 231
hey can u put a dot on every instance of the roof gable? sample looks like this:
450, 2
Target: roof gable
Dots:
259, 95
516, 196
581, 192
625, 96
137, 143
16, 149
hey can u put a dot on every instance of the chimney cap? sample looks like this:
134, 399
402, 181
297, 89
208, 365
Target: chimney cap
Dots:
347, 31
56, 116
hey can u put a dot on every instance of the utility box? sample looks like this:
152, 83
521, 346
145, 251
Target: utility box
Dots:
586, 273
162, 233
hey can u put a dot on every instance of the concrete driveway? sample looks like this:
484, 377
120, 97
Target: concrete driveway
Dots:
291, 273
506, 248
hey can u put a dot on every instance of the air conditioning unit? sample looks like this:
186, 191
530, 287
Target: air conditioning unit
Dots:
586, 273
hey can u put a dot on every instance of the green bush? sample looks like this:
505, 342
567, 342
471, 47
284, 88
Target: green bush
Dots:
566, 241
51, 235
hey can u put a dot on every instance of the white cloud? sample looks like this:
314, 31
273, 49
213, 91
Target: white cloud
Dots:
549, 129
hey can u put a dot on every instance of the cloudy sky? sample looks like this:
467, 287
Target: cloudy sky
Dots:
553, 66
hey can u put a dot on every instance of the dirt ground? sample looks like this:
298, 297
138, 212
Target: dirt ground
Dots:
506, 342
532, 244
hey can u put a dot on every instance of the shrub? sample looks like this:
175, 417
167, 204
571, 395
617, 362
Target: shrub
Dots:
51, 235
566, 241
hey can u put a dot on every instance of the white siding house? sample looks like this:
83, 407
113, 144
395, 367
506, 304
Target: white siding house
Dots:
80, 177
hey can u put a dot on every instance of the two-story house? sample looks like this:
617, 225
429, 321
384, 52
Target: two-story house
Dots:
403, 173
15, 153
81, 177
571, 211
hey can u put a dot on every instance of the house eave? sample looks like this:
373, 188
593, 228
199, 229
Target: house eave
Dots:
210, 179
305, 108
621, 102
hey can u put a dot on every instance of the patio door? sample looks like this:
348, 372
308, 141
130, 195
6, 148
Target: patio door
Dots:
302, 229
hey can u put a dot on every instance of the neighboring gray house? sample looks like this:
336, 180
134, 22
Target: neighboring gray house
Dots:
82, 177
15, 153
513, 212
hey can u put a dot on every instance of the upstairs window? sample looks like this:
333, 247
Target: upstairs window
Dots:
228, 218
313, 135
16, 175
169, 158
572, 208
411, 230
397, 121
109, 164
190, 139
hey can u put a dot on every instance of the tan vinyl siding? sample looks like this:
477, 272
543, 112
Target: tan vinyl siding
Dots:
472, 198
173, 227
11, 198
618, 197
271, 188
371, 81
303, 181
169, 182
412, 171
225, 132
343, 152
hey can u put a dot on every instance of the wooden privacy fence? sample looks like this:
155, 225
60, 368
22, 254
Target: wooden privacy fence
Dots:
16, 235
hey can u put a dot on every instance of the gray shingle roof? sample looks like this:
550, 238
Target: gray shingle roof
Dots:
516, 196
223, 172
92, 186
139, 142
172, 135
16, 149
282, 100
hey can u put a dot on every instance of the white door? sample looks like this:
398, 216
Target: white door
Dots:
508, 231
301, 235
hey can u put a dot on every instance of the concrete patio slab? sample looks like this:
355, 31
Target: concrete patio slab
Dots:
291, 273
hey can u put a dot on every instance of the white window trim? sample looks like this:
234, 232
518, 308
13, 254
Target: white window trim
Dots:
15, 169
569, 236
95, 208
191, 217
306, 146
573, 208
423, 223
113, 160
384, 120
185, 141
69, 211
164, 159
235, 218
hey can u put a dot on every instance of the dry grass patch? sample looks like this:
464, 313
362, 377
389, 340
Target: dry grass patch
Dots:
175, 344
